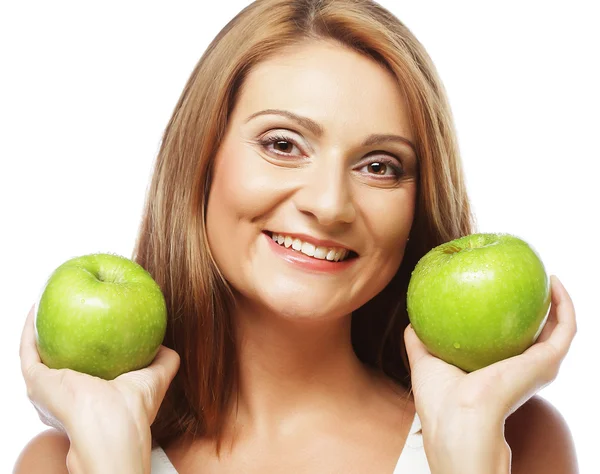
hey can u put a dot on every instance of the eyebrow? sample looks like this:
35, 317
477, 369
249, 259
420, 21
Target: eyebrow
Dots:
317, 129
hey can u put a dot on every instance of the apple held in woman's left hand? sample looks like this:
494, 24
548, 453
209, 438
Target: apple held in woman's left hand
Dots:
479, 299
100, 314
465, 413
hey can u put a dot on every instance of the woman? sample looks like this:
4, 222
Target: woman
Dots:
310, 162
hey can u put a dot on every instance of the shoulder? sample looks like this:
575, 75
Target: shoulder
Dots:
540, 440
46, 453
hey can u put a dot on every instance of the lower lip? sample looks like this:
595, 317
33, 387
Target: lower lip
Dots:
308, 263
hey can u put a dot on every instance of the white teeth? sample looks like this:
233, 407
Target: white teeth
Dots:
308, 249
322, 253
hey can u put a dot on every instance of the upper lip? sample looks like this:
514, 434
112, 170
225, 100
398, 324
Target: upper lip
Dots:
316, 242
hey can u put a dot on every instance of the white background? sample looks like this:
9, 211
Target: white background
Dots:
88, 87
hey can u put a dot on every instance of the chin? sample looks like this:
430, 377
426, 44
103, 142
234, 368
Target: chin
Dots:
295, 305
308, 304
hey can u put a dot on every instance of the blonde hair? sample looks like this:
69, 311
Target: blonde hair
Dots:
172, 243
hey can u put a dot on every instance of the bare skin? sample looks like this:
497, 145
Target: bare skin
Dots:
371, 439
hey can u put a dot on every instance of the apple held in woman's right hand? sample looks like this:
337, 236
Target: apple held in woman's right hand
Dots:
479, 299
86, 408
100, 314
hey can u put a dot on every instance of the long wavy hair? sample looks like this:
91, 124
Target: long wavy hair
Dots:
172, 242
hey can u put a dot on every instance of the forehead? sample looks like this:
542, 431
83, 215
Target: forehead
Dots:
331, 84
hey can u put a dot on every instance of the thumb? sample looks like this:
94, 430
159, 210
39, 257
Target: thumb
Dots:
154, 380
425, 368
415, 349
164, 367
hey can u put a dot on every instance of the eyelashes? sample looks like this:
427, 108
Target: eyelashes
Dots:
269, 140
379, 165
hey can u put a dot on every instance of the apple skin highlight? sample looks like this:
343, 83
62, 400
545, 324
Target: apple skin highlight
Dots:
479, 299
100, 314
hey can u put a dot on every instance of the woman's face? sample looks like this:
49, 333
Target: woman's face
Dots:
308, 156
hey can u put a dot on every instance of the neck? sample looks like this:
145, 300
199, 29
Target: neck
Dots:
295, 370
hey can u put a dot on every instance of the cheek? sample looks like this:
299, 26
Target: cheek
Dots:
239, 195
234, 192
389, 222
228, 202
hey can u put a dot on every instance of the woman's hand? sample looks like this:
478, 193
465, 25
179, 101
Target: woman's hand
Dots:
108, 422
463, 415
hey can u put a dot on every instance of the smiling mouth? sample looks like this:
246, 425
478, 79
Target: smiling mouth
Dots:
331, 254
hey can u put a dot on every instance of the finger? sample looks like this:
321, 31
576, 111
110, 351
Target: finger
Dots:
565, 309
154, 380
525, 374
45, 387
421, 361
28, 351
558, 292
549, 324
164, 366
560, 329
415, 349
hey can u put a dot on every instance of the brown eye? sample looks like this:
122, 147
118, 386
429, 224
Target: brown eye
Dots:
279, 145
385, 167
377, 168
283, 146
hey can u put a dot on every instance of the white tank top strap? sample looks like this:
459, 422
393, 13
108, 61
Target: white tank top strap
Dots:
412, 458
159, 462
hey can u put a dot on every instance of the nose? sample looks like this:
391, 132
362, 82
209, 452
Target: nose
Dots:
326, 195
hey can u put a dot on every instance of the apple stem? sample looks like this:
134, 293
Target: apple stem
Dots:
451, 249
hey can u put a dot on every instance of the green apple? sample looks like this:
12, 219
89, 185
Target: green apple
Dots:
100, 314
479, 299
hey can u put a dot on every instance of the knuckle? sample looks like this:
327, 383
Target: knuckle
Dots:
552, 367
553, 371
552, 355
150, 389
149, 398
29, 373
555, 357
145, 392
166, 374
174, 356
